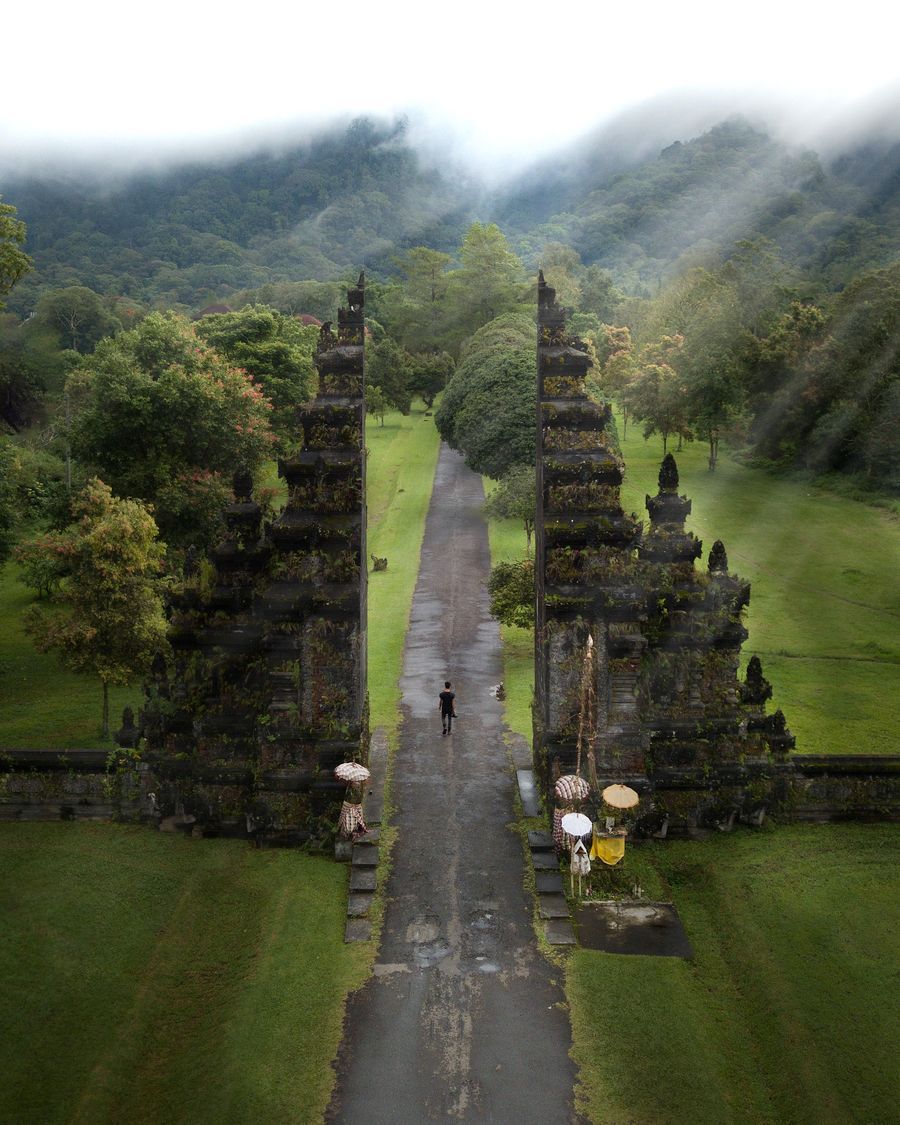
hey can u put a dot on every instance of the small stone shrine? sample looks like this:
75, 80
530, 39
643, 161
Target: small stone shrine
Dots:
267, 694
672, 718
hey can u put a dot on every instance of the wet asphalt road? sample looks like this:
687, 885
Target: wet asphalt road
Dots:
463, 1017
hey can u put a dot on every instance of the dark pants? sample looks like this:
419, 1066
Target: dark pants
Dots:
446, 720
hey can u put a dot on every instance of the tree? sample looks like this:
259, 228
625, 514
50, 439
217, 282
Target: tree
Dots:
14, 262
657, 395
276, 350
418, 308
429, 375
376, 403
515, 498
658, 398
487, 411
561, 267
489, 282
109, 619
78, 315
511, 591
389, 367
157, 404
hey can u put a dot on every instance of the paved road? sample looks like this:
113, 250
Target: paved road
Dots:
463, 1016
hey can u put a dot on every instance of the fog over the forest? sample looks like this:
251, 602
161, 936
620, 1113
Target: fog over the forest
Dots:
617, 140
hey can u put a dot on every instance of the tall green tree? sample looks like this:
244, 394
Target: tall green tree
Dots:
515, 498
487, 411
276, 350
389, 367
157, 404
78, 315
109, 618
14, 262
490, 280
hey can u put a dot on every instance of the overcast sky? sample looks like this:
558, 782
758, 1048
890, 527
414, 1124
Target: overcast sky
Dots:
501, 81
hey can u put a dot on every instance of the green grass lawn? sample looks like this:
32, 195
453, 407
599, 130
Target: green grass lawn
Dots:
787, 1012
825, 604
151, 978
402, 458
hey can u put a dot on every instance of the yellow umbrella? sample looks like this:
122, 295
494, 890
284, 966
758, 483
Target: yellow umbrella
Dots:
620, 797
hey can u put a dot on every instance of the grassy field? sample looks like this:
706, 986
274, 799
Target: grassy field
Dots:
786, 1012
402, 458
150, 978
825, 604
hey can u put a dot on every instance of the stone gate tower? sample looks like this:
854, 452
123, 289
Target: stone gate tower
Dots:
268, 692
671, 716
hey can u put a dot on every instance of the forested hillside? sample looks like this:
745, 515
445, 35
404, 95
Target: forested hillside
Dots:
188, 234
692, 200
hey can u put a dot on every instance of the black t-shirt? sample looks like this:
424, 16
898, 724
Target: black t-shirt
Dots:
447, 698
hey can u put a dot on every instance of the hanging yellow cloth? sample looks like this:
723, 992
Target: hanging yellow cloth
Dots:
608, 849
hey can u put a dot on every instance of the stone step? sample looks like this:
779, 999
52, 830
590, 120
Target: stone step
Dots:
359, 904
547, 883
531, 802
370, 837
363, 879
553, 906
540, 841
559, 931
358, 929
544, 861
365, 856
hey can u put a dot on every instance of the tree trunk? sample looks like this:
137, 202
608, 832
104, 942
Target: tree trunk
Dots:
528, 527
105, 709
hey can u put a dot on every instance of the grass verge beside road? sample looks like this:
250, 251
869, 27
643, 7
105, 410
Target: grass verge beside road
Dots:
150, 978
785, 1013
402, 457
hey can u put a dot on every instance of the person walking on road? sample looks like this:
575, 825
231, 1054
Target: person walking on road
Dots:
446, 707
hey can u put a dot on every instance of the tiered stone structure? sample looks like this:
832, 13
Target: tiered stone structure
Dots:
268, 692
672, 719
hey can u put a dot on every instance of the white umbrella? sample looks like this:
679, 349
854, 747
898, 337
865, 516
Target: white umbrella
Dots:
576, 824
352, 772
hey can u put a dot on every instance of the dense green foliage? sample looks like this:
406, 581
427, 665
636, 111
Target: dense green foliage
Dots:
156, 405
149, 978
487, 411
511, 592
14, 262
275, 350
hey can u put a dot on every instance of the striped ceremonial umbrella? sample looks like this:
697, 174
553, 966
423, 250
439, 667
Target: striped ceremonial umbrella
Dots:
352, 772
571, 787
